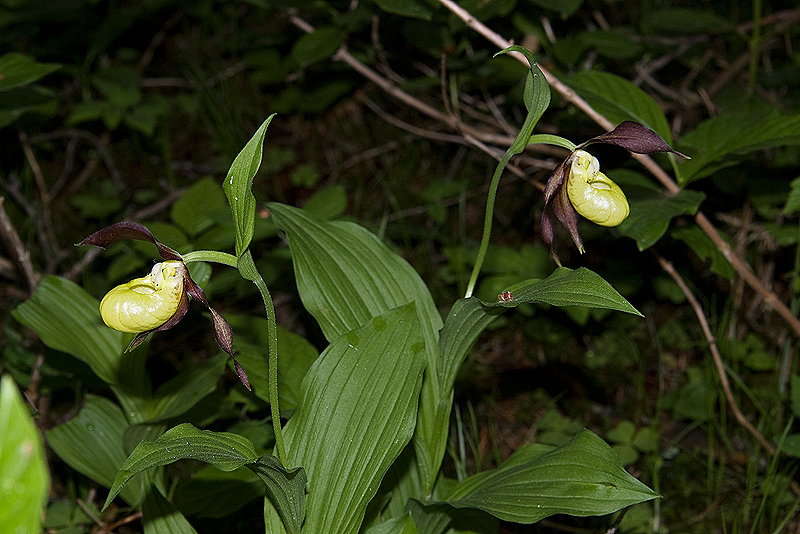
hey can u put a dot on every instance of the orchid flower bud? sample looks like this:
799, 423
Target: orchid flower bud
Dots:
593, 194
144, 304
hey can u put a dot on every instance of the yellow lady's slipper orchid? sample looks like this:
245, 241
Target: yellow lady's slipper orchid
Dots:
144, 304
593, 194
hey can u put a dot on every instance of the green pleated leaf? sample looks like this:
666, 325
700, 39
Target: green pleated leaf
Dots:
159, 516
620, 100
93, 444
24, 480
67, 319
238, 186
345, 277
721, 141
567, 287
357, 412
582, 477
652, 210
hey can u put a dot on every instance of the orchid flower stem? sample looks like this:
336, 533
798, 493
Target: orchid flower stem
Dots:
487, 223
248, 270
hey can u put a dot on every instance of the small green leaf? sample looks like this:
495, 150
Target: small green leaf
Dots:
199, 206
582, 477
316, 46
357, 412
685, 21
98, 428
705, 249
652, 210
567, 287
17, 70
238, 186
720, 141
620, 100
536, 96
793, 202
565, 8
406, 8
23, 472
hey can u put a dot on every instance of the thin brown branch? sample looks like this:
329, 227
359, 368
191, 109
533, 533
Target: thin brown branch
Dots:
715, 355
19, 254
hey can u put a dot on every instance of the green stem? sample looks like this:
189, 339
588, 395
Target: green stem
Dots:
247, 269
487, 223
211, 256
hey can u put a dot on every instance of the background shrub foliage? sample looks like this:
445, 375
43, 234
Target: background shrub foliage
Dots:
390, 118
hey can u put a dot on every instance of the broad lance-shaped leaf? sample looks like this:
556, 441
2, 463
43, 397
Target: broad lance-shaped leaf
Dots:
582, 477
357, 412
226, 452
567, 287
238, 186
345, 277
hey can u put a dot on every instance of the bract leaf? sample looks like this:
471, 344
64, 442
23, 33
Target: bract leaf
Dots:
238, 186
567, 287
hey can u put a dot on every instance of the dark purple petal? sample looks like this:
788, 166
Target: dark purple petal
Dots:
141, 336
556, 180
223, 332
563, 209
242, 375
634, 137
124, 230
